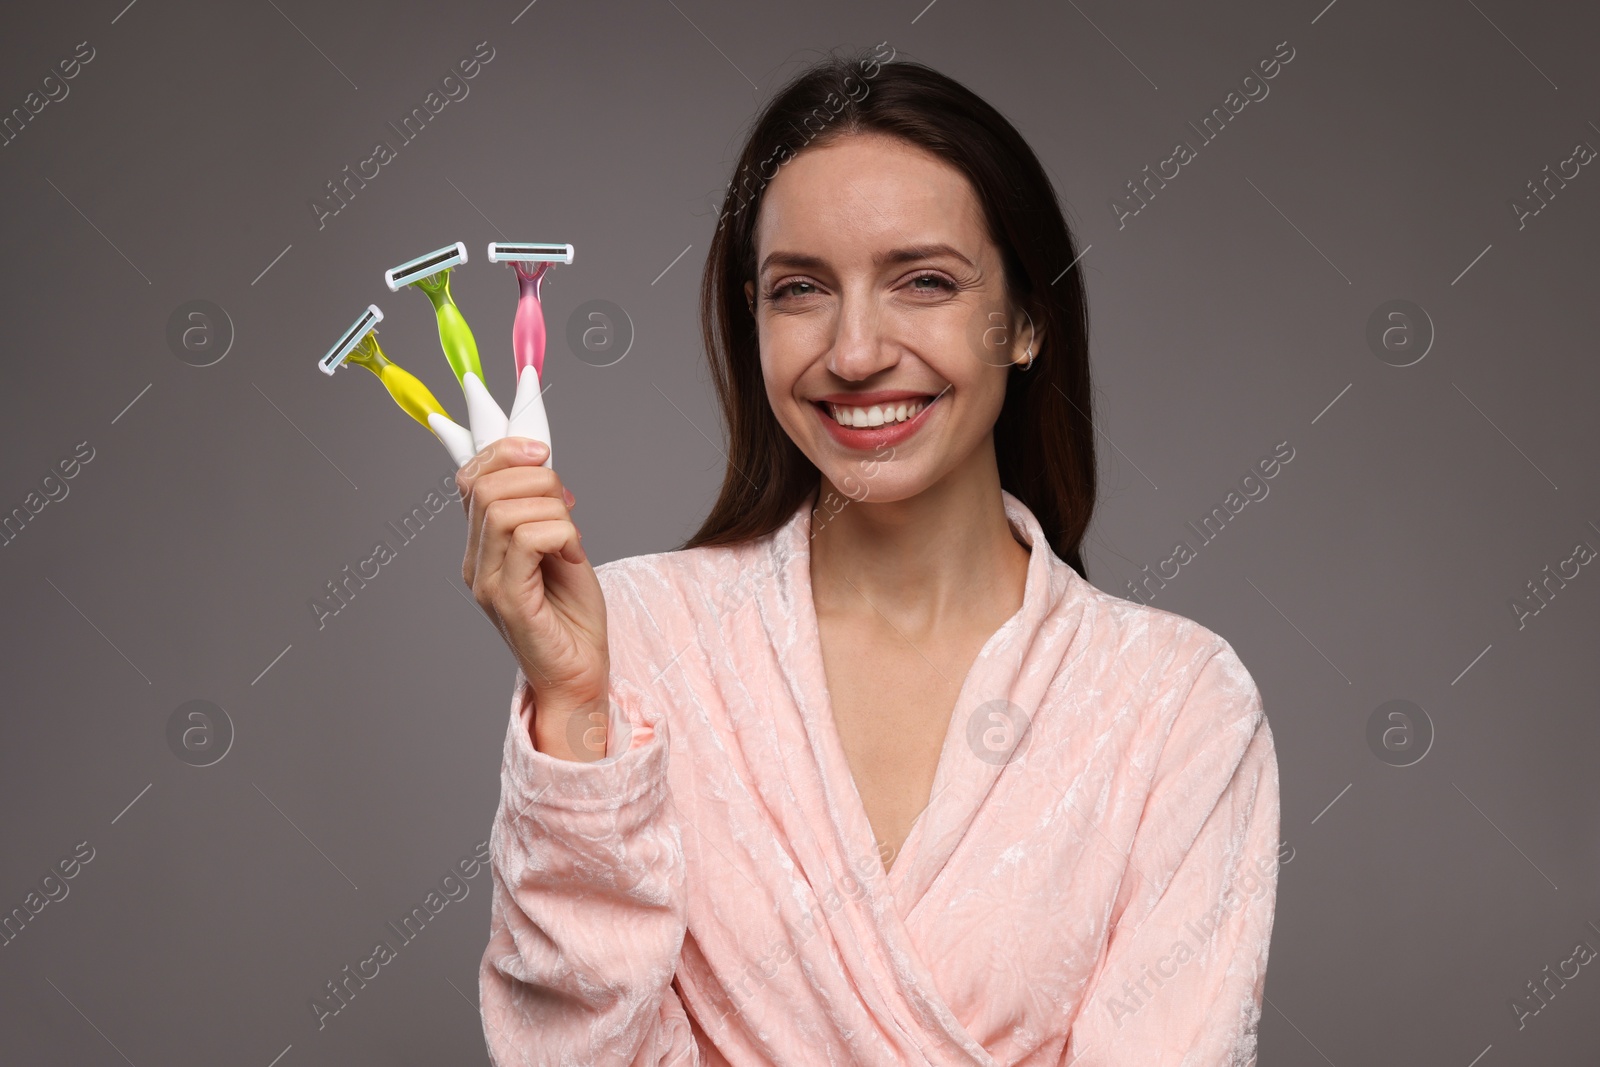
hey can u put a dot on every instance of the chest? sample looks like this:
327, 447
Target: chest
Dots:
892, 703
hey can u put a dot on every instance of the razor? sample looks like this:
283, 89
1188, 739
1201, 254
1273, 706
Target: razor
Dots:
431, 274
359, 345
531, 260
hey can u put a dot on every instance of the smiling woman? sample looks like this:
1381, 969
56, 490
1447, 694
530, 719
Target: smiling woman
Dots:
890, 782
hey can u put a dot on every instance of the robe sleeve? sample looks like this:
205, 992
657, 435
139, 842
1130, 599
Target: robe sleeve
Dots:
588, 913
1181, 981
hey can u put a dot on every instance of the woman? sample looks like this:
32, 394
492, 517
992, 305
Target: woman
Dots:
868, 772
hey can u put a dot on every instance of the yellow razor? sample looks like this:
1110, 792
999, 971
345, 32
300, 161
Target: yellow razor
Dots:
359, 345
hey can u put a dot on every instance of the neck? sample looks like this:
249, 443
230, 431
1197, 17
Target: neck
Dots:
944, 557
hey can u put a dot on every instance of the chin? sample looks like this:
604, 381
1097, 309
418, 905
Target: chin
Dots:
870, 482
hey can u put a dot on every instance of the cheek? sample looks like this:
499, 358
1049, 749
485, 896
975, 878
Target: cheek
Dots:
796, 339
982, 392
779, 377
786, 351
780, 398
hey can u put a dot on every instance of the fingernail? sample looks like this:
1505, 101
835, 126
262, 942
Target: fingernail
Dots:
535, 450
567, 493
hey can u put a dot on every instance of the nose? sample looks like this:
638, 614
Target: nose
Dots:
860, 345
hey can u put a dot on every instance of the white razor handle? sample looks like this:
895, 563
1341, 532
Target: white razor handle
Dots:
527, 412
456, 439
488, 422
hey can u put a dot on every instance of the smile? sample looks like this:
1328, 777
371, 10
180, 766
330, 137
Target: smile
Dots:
877, 414
873, 426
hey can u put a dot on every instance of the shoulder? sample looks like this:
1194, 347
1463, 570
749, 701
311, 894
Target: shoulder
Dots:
1150, 638
662, 605
660, 591
676, 576
1186, 676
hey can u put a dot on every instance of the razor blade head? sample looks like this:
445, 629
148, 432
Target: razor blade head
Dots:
425, 266
352, 337
528, 252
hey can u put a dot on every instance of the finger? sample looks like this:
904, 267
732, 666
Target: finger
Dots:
528, 480
534, 543
506, 452
510, 483
502, 520
525, 479
478, 492
490, 527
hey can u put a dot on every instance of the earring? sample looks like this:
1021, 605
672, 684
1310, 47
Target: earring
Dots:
1028, 365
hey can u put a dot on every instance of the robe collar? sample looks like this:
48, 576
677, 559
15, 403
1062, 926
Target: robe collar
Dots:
1008, 678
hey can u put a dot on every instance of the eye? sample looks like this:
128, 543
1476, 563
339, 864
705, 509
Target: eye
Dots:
940, 283
787, 287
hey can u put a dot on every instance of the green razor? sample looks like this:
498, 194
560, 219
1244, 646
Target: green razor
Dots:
431, 274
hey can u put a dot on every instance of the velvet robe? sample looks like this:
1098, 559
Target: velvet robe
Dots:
1092, 883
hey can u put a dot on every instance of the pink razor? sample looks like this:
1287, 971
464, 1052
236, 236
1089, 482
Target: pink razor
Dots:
530, 261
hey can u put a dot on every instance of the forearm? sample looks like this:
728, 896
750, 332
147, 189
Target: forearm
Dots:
588, 912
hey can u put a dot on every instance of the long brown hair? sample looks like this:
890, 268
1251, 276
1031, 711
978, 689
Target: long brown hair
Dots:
1044, 436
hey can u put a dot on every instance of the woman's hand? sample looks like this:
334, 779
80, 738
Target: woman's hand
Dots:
528, 572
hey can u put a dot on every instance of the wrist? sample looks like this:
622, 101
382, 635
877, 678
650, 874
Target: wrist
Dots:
571, 728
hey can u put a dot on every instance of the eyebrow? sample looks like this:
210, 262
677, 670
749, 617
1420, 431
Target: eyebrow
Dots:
801, 261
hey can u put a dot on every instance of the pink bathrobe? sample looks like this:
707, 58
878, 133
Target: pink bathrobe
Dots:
1091, 884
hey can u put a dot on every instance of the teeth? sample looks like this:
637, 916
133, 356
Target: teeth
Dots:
878, 414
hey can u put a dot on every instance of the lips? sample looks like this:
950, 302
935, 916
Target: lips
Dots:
887, 422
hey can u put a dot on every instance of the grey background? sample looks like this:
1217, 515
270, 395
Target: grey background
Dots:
1227, 316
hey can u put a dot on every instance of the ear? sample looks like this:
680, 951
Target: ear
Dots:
750, 296
1029, 338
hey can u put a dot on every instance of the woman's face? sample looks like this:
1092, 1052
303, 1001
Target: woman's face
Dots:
879, 292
